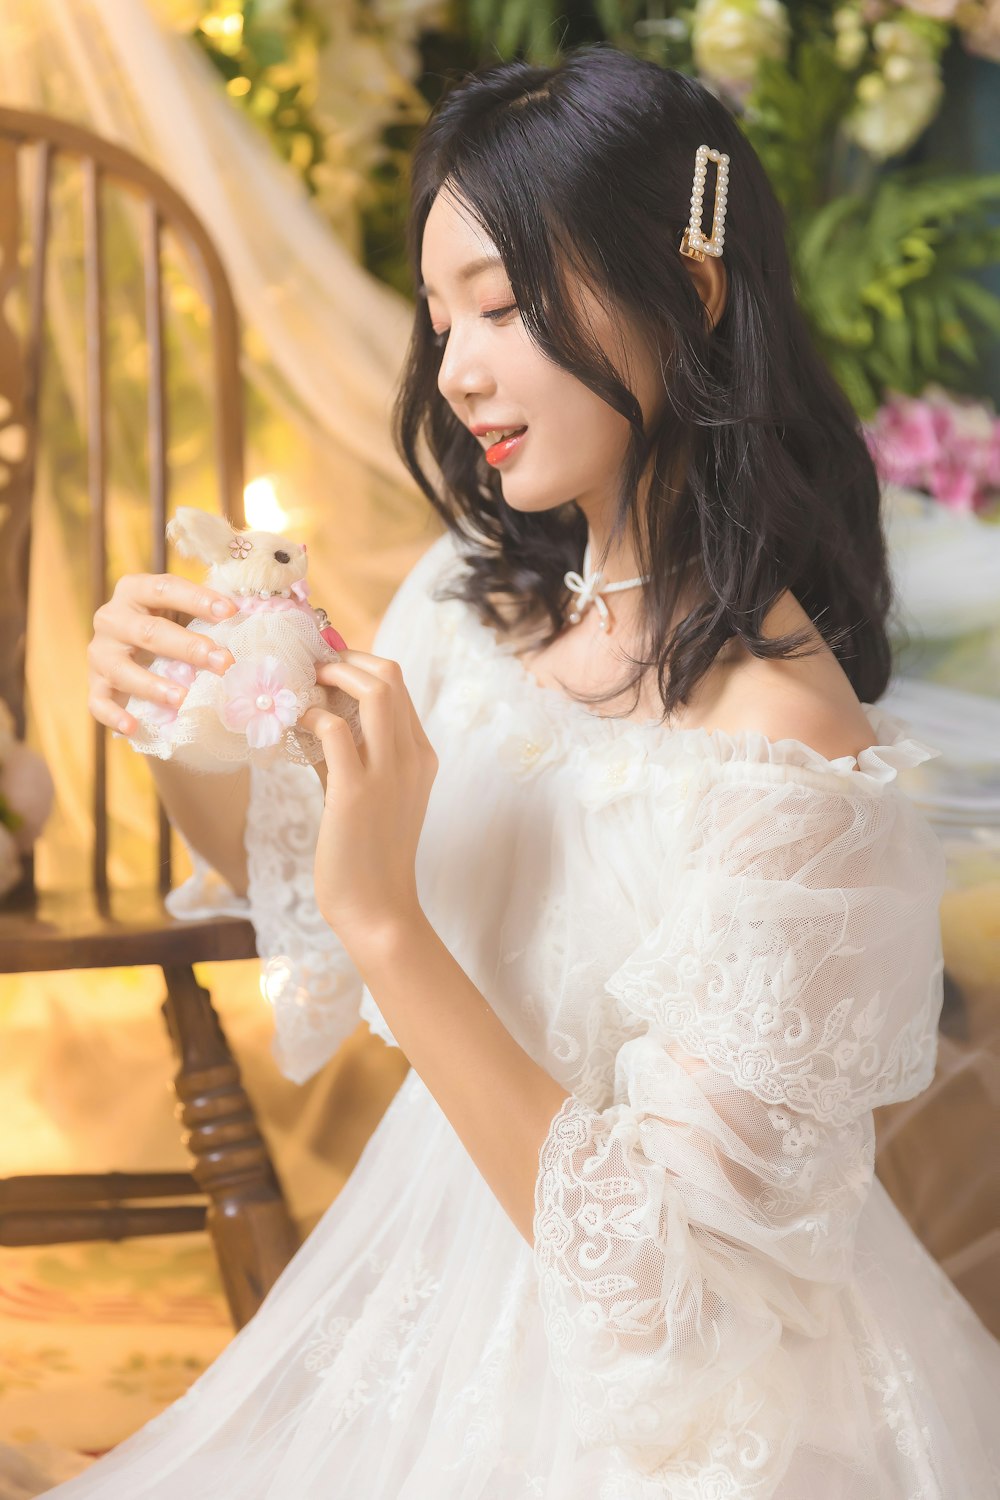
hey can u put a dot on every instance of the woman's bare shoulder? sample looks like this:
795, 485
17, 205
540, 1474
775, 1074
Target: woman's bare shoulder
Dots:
807, 698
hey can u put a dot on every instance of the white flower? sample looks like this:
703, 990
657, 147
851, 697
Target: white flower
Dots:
730, 37
850, 36
449, 615
553, 1229
465, 699
901, 96
717, 1483
887, 125
673, 1015
612, 769
754, 1064
530, 745
832, 1096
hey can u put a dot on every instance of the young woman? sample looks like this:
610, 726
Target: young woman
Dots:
622, 865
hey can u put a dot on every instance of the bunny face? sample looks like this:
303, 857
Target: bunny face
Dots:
241, 562
259, 562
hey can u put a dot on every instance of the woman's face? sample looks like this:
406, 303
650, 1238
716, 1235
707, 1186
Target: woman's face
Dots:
492, 374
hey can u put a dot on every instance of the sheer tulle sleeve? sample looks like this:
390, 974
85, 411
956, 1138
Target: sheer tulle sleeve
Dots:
313, 987
690, 1234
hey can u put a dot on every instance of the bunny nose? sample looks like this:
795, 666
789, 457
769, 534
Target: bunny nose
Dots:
282, 557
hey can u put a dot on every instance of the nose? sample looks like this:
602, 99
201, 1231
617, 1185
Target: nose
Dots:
463, 372
282, 557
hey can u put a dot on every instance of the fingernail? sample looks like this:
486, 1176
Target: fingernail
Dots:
175, 694
221, 607
123, 724
218, 659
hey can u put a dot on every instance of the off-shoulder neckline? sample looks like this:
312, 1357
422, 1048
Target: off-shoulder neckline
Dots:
894, 748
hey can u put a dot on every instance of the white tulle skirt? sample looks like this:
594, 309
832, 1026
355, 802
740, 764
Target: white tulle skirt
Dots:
401, 1356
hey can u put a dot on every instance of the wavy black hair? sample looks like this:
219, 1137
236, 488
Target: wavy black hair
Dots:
585, 168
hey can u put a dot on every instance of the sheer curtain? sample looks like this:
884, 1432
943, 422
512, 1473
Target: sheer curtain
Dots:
323, 344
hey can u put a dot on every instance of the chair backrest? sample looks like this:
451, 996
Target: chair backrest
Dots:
42, 137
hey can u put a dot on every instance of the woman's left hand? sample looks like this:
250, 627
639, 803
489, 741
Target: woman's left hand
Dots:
375, 800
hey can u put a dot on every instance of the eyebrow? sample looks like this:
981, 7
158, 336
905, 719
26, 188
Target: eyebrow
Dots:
466, 273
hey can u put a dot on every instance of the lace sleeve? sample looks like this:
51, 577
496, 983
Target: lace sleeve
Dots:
312, 985
316, 993
685, 1234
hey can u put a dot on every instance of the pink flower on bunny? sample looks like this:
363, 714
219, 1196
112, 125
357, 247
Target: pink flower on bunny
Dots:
276, 638
257, 702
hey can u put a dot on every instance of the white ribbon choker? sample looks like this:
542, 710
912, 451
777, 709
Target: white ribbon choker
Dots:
588, 592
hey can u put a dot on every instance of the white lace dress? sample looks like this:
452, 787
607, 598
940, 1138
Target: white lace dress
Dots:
728, 950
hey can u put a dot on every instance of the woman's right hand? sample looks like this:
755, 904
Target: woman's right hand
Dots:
131, 629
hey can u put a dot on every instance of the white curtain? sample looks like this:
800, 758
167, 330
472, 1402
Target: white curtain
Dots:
323, 344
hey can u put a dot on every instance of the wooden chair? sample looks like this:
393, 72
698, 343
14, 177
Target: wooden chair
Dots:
236, 1193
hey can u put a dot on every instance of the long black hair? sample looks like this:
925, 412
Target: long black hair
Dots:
587, 167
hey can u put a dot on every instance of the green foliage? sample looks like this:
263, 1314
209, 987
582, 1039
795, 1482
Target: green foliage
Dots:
539, 30
884, 259
885, 280
265, 67
791, 120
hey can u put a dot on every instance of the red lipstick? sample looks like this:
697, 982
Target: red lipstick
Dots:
505, 447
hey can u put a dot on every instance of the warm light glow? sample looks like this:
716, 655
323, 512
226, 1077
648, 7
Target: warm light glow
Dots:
263, 510
222, 26
238, 87
275, 977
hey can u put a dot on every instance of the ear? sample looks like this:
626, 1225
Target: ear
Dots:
711, 284
200, 533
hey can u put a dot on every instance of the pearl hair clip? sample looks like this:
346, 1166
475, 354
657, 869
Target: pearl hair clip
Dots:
694, 244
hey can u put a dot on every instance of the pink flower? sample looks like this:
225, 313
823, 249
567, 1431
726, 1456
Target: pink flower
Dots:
177, 671
906, 435
256, 700
953, 483
946, 446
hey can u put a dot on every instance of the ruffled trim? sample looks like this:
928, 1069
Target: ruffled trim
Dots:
897, 749
491, 674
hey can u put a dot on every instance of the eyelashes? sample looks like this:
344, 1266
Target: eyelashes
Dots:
495, 313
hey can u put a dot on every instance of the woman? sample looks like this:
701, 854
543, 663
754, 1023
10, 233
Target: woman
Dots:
618, 1233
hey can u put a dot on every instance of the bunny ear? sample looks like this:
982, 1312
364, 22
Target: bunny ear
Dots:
200, 533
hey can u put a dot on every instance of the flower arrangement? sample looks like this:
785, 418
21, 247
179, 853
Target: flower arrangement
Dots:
331, 85
886, 255
26, 795
892, 49
946, 446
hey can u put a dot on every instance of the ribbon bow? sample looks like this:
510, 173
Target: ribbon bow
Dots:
586, 591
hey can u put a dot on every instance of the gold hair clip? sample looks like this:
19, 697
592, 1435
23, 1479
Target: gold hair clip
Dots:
694, 244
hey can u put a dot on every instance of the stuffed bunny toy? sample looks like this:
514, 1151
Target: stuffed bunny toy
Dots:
277, 639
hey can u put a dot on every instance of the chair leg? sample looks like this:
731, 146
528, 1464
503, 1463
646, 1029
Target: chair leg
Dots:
248, 1218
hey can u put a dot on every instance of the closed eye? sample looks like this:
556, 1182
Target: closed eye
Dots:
493, 314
